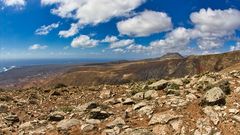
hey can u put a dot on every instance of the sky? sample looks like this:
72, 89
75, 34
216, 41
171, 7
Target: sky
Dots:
117, 29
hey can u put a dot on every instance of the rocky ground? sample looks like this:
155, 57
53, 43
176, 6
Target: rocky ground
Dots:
206, 104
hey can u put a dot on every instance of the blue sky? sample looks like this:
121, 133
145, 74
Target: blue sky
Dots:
119, 29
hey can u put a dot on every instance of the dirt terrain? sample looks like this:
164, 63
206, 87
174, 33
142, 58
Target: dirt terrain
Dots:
203, 104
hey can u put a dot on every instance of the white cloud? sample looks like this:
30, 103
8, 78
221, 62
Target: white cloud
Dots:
145, 24
84, 41
44, 30
14, 2
213, 26
110, 39
37, 47
121, 43
91, 12
119, 50
72, 31
236, 47
176, 40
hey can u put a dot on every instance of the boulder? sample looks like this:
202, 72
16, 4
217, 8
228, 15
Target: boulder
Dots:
159, 85
214, 96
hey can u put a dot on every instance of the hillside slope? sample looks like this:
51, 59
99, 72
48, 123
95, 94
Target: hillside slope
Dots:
147, 69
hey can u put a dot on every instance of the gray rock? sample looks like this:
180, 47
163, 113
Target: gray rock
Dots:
26, 125
93, 121
139, 105
128, 101
159, 85
87, 127
66, 124
236, 118
138, 131
203, 127
146, 110
105, 94
150, 94
119, 122
12, 118
161, 130
100, 115
163, 118
3, 108
138, 96
211, 114
56, 116
214, 96
87, 106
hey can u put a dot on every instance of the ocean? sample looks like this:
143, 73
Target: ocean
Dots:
6, 65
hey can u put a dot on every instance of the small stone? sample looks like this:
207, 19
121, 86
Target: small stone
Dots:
137, 131
237, 90
101, 115
233, 111
3, 108
105, 94
26, 125
128, 101
162, 118
66, 124
12, 118
236, 118
56, 116
139, 105
119, 122
150, 94
146, 110
87, 127
87, 106
93, 121
211, 114
138, 96
203, 127
161, 130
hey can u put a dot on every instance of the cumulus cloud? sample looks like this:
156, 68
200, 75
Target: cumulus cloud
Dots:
45, 29
212, 26
236, 47
72, 31
84, 41
91, 12
121, 43
110, 39
145, 24
37, 47
14, 2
